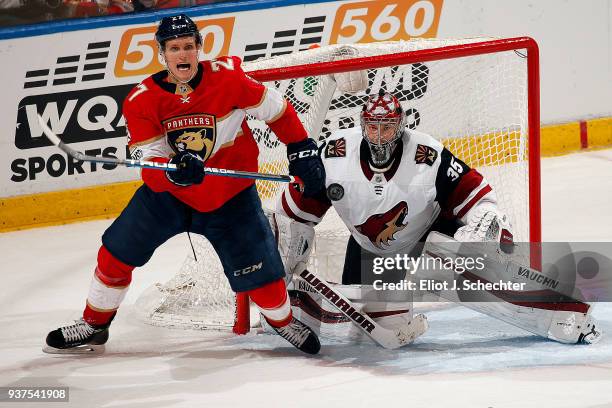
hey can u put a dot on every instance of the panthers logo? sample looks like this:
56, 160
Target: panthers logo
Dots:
194, 141
195, 133
381, 228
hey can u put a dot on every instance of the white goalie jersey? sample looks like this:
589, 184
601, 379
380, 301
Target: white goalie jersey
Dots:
390, 210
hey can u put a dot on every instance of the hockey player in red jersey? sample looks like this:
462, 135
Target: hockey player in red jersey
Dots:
190, 114
391, 186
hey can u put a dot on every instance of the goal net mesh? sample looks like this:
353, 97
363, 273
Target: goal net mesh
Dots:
475, 105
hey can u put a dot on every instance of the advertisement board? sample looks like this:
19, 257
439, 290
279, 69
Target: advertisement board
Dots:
77, 80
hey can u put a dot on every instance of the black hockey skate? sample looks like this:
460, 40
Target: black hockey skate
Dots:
77, 338
300, 336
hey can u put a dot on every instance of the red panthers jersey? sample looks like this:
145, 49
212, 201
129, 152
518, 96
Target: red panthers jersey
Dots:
207, 117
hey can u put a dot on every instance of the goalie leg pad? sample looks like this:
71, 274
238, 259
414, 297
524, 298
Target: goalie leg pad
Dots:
295, 241
537, 308
327, 321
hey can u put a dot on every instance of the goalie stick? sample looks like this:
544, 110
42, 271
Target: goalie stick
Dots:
160, 166
387, 338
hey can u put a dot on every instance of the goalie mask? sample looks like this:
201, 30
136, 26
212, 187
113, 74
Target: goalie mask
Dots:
382, 125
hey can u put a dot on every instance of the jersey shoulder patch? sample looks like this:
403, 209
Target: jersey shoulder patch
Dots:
425, 155
335, 148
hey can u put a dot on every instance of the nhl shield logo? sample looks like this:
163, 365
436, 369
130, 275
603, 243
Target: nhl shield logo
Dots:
195, 133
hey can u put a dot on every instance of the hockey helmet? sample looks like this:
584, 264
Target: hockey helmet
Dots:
382, 125
174, 27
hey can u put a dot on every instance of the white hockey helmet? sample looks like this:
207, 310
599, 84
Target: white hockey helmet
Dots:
382, 125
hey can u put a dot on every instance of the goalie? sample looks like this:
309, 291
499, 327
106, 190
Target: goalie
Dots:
392, 186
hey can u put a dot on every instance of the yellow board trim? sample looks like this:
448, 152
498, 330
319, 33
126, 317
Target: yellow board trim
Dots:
599, 132
63, 207
107, 201
561, 139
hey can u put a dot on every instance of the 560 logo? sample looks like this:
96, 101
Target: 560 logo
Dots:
138, 53
385, 20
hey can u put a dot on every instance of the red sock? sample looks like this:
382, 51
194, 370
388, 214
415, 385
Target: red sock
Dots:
273, 302
97, 317
111, 276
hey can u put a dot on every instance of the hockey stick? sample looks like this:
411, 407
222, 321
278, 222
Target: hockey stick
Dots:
160, 166
387, 338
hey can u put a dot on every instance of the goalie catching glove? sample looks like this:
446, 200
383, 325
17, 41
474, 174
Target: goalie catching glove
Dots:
190, 169
305, 163
485, 223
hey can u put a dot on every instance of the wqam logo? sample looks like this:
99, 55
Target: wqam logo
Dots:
75, 116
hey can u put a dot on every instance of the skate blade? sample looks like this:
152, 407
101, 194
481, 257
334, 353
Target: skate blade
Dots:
88, 349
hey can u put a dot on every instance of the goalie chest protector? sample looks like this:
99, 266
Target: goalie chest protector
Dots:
385, 212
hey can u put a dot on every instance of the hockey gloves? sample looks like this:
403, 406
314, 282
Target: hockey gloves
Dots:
485, 223
305, 163
190, 169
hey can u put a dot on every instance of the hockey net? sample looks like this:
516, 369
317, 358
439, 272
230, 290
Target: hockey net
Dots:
478, 96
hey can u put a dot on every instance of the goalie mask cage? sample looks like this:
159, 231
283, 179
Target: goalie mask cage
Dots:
480, 97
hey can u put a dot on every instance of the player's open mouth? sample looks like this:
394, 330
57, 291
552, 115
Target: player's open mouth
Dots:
183, 67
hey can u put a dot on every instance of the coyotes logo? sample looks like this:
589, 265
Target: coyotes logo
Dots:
380, 228
195, 133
